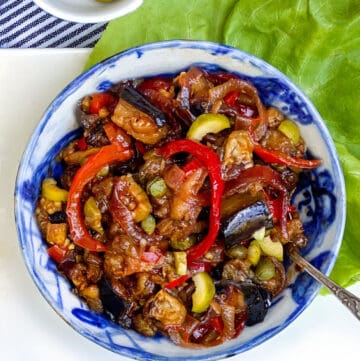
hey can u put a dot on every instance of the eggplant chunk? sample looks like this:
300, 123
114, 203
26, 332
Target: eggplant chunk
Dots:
258, 301
256, 298
133, 97
241, 225
116, 309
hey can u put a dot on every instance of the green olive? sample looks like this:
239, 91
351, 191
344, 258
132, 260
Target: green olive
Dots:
207, 123
291, 130
204, 292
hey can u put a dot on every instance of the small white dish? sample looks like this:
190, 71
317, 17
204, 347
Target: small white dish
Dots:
88, 11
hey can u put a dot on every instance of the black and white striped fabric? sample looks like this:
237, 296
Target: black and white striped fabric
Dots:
24, 25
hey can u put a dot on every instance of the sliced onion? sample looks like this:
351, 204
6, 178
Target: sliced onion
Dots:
245, 87
228, 317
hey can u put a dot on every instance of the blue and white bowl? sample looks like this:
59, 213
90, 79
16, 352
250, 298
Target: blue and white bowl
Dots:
320, 197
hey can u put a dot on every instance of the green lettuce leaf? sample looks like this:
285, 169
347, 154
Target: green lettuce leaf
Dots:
315, 43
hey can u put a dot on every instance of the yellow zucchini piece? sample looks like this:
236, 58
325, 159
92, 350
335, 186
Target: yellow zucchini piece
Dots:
52, 192
93, 215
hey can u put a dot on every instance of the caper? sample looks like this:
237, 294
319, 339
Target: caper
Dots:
265, 269
237, 252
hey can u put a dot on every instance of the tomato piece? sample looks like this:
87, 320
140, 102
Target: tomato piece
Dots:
100, 100
81, 143
57, 253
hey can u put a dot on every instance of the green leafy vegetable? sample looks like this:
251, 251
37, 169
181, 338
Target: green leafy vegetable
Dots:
315, 43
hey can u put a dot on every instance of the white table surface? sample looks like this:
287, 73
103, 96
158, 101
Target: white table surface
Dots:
29, 328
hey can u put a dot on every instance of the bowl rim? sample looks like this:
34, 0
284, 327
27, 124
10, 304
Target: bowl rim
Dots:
93, 18
206, 46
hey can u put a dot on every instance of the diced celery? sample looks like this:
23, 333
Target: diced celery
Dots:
148, 224
180, 263
157, 187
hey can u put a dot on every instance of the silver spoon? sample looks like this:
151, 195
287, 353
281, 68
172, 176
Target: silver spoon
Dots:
346, 298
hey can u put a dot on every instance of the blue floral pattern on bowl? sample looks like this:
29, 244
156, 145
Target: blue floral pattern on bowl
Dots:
320, 197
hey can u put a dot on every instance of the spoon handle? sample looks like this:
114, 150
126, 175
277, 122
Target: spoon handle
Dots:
347, 298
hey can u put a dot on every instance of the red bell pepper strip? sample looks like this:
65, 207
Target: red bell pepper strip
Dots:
100, 100
178, 281
57, 253
275, 156
193, 268
115, 152
93, 165
211, 162
230, 98
268, 177
275, 206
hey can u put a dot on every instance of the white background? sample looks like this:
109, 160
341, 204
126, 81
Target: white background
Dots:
29, 328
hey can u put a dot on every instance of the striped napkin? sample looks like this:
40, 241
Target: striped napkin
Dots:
24, 25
